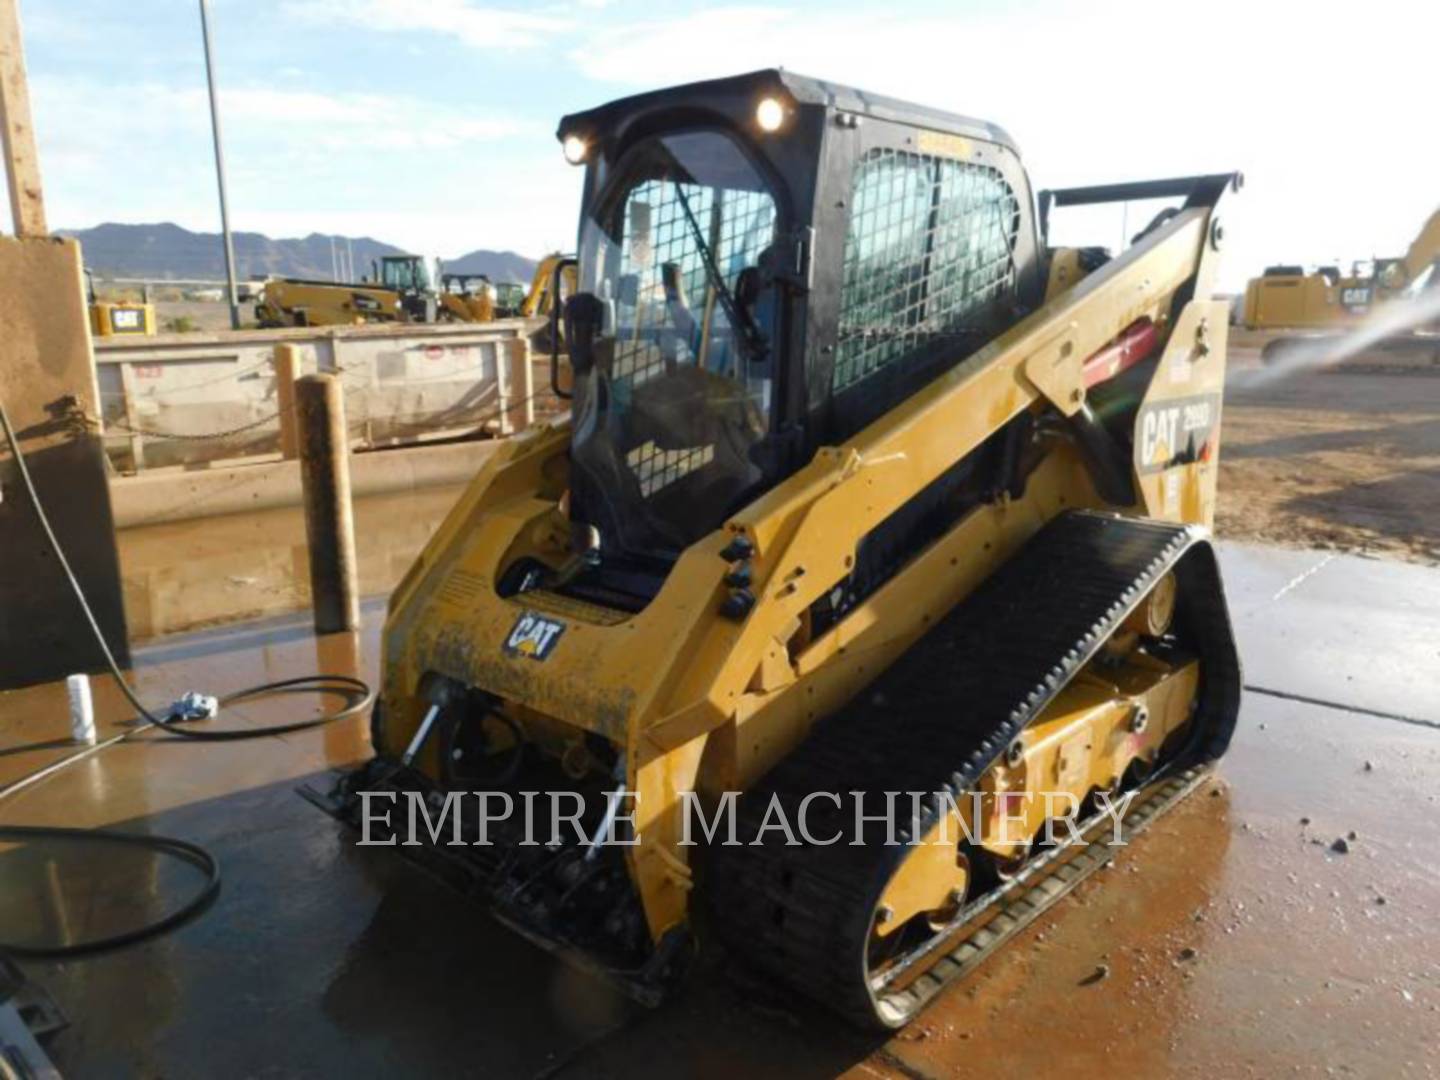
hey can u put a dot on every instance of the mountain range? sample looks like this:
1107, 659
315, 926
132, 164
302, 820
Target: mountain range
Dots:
166, 250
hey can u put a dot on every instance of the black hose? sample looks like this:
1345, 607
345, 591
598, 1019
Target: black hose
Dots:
360, 693
320, 683
193, 854
357, 689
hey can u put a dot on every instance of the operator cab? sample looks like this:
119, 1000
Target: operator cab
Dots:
711, 354
412, 277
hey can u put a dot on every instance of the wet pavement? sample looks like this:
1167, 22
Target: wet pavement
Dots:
1236, 941
182, 575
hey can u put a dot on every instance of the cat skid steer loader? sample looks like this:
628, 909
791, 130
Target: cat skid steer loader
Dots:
865, 490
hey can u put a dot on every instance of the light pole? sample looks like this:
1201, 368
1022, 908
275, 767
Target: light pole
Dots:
220, 168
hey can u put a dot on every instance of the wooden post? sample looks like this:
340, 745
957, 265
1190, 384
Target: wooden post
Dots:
502, 386
132, 416
22, 163
522, 384
329, 516
288, 365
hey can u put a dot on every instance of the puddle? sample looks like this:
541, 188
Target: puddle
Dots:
189, 574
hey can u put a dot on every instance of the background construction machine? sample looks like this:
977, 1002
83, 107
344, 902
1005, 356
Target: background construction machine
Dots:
400, 288
305, 302
539, 299
404, 288
1324, 304
118, 318
866, 490
472, 297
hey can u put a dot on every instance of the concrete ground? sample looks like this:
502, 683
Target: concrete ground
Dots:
321, 958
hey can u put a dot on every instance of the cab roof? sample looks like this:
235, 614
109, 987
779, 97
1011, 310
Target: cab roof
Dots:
804, 90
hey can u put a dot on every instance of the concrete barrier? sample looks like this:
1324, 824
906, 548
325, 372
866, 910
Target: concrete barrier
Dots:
163, 495
178, 399
49, 398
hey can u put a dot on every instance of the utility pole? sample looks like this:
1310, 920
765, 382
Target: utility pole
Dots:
220, 167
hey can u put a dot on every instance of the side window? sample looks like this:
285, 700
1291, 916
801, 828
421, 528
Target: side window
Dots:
928, 250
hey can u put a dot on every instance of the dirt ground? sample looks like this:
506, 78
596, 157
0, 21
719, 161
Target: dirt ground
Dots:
202, 315
1340, 460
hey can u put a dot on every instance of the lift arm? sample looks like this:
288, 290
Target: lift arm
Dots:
1424, 250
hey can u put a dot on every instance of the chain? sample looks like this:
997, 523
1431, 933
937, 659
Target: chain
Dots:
151, 433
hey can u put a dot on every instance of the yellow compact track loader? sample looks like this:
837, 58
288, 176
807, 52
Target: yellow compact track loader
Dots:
876, 542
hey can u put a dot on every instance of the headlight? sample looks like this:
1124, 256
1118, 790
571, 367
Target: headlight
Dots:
769, 114
575, 149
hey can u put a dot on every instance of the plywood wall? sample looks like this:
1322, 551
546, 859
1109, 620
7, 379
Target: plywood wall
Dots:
47, 384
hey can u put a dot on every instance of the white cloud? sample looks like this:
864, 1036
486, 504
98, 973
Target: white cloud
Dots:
1097, 91
141, 152
476, 26
91, 122
1093, 90
358, 121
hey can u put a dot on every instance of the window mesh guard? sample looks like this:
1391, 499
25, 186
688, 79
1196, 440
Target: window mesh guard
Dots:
930, 245
736, 226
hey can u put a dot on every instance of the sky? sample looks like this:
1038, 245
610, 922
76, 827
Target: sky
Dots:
430, 124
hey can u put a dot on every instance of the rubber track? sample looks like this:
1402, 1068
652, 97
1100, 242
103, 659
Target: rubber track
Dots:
934, 722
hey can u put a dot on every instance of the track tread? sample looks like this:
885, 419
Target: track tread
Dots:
802, 913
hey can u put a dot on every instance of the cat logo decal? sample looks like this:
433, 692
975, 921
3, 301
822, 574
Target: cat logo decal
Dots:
533, 636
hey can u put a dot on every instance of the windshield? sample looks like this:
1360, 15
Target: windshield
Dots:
680, 389
404, 273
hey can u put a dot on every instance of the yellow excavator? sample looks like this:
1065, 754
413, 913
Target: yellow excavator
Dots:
554, 276
1322, 305
876, 544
